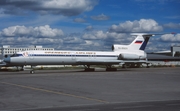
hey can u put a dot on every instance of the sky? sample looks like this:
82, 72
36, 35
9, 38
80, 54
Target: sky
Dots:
88, 24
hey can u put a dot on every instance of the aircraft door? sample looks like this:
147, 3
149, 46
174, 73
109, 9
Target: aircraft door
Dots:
31, 55
25, 57
73, 55
92, 55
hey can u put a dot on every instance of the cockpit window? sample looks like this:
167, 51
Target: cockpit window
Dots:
16, 55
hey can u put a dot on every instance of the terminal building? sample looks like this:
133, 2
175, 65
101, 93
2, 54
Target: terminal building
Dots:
7, 50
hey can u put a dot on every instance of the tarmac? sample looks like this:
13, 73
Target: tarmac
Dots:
133, 89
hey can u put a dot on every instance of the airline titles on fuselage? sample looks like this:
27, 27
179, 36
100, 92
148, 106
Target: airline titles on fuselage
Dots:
26, 54
59, 52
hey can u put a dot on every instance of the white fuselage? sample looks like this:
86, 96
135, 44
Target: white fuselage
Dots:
60, 57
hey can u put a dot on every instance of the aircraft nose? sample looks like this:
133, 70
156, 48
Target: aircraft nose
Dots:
7, 59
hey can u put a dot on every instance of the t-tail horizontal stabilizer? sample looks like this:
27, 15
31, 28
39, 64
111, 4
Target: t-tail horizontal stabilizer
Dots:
139, 43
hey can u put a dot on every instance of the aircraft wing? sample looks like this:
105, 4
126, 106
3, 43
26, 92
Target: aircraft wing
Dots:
108, 62
135, 61
98, 62
3, 64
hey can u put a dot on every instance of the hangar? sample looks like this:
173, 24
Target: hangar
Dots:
175, 51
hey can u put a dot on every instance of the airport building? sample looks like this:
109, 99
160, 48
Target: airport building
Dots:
7, 50
175, 51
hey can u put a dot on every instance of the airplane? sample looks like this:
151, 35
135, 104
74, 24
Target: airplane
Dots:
127, 55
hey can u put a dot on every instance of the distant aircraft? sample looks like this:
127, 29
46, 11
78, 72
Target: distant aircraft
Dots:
128, 55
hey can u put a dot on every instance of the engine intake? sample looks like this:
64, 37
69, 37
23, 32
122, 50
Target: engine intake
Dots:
130, 57
119, 47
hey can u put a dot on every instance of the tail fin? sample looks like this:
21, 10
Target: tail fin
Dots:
140, 42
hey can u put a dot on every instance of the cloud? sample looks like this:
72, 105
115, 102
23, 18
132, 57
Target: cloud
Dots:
73, 38
79, 20
163, 43
100, 17
46, 31
143, 25
173, 17
170, 38
89, 28
87, 40
22, 31
94, 35
172, 25
156, 1
104, 40
59, 7
23, 36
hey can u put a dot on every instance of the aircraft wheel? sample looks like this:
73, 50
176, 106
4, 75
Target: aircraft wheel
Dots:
147, 66
89, 69
21, 69
32, 72
111, 69
124, 66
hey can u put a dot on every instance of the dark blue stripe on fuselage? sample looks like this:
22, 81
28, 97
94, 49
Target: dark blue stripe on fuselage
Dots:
54, 55
74, 55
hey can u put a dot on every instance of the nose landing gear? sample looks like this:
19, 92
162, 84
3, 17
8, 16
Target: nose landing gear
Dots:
32, 72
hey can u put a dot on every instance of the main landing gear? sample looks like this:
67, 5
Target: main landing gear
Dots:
88, 69
32, 70
147, 65
110, 68
20, 68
